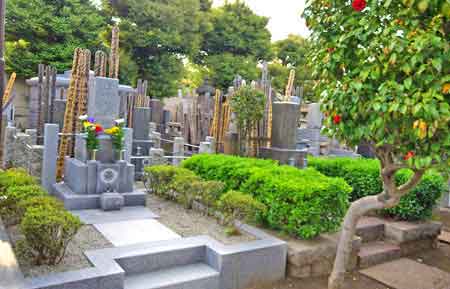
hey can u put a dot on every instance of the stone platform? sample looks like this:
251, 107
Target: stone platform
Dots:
73, 201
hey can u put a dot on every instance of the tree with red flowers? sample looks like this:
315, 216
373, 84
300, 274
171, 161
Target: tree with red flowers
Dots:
385, 80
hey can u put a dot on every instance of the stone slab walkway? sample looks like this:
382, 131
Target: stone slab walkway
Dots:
90, 217
408, 274
445, 237
135, 232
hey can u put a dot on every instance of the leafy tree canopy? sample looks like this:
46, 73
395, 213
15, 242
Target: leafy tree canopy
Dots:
292, 53
235, 42
385, 76
158, 35
48, 31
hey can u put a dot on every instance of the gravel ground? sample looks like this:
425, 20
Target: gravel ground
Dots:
188, 223
87, 238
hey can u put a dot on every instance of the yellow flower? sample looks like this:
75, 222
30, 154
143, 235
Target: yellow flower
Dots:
115, 129
108, 131
446, 88
87, 124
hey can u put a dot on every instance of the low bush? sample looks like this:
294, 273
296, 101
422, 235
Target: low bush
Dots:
210, 192
159, 178
38, 202
303, 203
363, 175
418, 204
239, 206
15, 177
47, 233
9, 210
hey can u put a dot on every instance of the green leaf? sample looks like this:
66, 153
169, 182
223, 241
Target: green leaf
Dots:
437, 64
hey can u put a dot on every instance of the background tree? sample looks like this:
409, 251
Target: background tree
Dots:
385, 79
158, 36
235, 42
292, 53
47, 31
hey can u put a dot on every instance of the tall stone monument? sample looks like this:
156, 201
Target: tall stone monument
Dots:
285, 118
107, 181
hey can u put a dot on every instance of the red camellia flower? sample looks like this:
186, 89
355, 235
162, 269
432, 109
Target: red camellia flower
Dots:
331, 49
408, 155
359, 5
98, 128
337, 119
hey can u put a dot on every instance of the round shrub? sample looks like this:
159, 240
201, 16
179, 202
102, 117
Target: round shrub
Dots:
15, 177
239, 206
38, 202
158, 178
47, 232
9, 210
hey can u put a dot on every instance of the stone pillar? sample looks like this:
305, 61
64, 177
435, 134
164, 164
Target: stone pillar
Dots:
152, 127
92, 177
81, 152
156, 138
205, 148
231, 143
33, 135
157, 156
8, 146
35, 161
212, 140
48, 175
178, 150
22, 151
284, 125
128, 143
141, 120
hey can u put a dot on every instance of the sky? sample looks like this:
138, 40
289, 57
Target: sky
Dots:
285, 16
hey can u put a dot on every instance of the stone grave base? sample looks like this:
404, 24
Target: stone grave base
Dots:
74, 201
285, 156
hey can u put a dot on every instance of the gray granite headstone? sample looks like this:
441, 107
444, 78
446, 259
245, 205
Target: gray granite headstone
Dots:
48, 175
141, 119
284, 125
104, 100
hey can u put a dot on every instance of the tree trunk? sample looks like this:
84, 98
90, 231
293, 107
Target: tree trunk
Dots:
388, 199
358, 209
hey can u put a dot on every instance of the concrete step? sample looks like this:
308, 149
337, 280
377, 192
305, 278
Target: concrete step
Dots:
370, 229
193, 276
162, 257
377, 252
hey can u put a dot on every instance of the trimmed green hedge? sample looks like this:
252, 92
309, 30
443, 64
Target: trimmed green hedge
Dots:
303, 203
46, 225
363, 175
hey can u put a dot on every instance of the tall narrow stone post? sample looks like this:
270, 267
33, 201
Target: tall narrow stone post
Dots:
8, 146
178, 150
212, 140
128, 143
48, 175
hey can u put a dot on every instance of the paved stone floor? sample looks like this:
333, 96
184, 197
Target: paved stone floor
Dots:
408, 274
135, 232
126, 214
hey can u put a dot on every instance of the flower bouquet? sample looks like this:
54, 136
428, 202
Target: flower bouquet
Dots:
92, 130
117, 136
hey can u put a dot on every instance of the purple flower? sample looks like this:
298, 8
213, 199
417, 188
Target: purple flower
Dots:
91, 119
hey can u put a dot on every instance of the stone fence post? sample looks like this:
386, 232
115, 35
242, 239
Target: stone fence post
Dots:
205, 148
22, 151
50, 156
157, 156
178, 150
8, 146
212, 140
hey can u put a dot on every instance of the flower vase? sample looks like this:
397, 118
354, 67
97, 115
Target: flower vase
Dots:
119, 155
93, 155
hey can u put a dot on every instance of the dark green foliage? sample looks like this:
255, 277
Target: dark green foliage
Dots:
157, 35
419, 203
363, 175
47, 233
48, 31
15, 177
237, 40
303, 203
9, 209
239, 206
